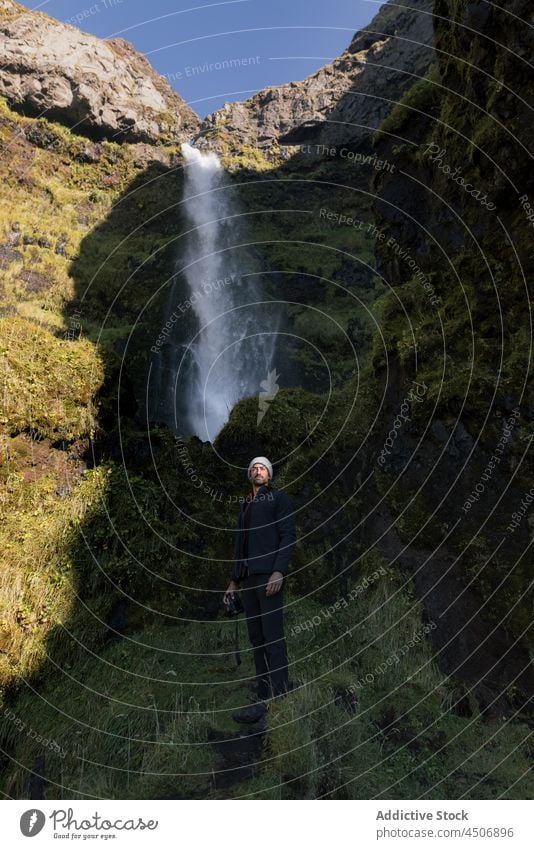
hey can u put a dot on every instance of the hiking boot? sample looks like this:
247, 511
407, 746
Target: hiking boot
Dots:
256, 728
252, 713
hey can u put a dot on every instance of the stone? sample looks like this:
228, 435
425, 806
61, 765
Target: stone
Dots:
100, 88
9, 255
34, 281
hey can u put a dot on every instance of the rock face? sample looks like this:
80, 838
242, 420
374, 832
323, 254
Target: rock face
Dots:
339, 101
455, 208
99, 88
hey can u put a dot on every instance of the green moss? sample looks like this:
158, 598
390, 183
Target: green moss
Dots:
49, 384
423, 98
250, 158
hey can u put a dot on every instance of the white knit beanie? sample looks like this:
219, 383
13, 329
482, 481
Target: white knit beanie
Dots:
267, 463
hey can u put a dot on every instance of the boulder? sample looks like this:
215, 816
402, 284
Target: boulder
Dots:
101, 88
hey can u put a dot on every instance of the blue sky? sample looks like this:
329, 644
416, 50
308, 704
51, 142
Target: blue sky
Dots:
256, 42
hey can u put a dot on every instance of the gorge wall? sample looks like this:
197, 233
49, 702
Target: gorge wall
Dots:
459, 140
402, 444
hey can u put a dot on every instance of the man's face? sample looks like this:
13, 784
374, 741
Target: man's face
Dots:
259, 474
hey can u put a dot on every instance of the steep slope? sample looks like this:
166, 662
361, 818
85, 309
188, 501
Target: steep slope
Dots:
455, 247
102, 89
64, 267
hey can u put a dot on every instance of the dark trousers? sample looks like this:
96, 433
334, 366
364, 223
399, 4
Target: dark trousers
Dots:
265, 624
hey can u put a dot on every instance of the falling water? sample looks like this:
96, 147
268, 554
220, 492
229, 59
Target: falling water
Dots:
228, 355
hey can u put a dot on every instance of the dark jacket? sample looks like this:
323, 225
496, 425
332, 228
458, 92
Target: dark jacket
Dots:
271, 536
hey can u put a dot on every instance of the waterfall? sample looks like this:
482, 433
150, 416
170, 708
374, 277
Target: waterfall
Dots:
228, 351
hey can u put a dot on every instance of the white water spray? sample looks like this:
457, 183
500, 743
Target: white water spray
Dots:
231, 355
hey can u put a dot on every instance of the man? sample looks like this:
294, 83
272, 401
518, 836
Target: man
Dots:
265, 539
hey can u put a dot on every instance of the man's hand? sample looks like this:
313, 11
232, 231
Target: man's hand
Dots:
232, 588
274, 584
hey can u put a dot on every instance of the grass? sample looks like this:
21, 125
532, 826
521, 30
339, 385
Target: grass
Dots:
136, 719
49, 383
39, 579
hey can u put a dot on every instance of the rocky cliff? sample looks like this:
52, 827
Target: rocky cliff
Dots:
101, 89
343, 101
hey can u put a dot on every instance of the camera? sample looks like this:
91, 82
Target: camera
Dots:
234, 606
